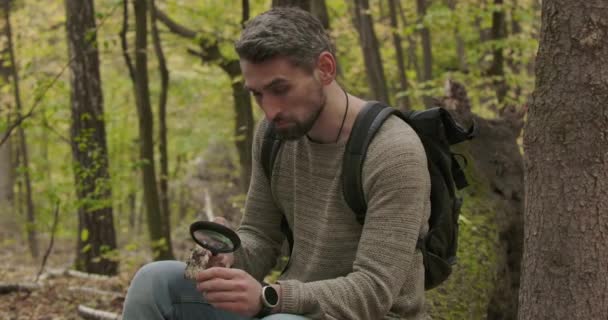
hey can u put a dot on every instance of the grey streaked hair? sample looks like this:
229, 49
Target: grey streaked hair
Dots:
287, 32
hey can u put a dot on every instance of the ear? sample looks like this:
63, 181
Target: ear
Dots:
326, 67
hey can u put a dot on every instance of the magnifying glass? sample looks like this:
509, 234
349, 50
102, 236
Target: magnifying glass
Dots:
214, 237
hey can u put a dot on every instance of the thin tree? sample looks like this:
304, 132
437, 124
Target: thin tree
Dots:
497, 69
460, 45
210, 53
403, 101
159, 237
427, 53
371, 51
302, 4
412, 46
23, 152
163, 184
96, 236
6, 154
566, 155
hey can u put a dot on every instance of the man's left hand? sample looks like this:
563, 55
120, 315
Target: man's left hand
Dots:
230, 289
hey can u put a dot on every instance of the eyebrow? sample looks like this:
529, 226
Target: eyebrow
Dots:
272, 83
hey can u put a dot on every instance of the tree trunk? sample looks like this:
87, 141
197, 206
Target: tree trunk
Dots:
244, 122
160, 240
412, 47
319, 10
497, 69
302, 4
7, 173
566, 235
427, 53
371, 51
460, 45
162, 125
23, 152
403, 100
96, 234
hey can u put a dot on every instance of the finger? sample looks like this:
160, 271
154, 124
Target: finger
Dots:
217, 285
217, 272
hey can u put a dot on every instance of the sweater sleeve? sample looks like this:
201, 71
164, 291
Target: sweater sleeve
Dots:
397, 188
260, 230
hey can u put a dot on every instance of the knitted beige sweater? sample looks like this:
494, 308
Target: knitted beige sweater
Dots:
340, 269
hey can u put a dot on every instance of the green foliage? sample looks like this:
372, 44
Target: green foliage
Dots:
200, 110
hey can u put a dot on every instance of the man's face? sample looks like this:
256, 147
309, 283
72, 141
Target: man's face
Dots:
291, 97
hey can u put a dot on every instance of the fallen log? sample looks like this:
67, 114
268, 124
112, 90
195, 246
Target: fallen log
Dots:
94, 314
6, 288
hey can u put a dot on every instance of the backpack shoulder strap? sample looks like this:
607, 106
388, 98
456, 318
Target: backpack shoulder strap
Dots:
367, 123
270, 148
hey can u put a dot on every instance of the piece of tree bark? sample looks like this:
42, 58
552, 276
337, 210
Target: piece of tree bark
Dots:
403, 102
159, 237
23, 147
371, 51
566, 236
96, 234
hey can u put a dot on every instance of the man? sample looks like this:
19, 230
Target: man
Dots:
339, 269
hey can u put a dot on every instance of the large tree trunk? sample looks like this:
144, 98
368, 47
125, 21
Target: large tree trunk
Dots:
403, 100
23, 152
96, 236
566, 235
159, 237
371, 51
427, 53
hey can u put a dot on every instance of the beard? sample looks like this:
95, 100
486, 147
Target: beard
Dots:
300, 128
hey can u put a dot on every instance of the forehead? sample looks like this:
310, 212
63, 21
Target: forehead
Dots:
258, 75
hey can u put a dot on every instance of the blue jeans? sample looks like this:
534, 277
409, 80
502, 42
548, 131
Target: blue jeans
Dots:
160, 291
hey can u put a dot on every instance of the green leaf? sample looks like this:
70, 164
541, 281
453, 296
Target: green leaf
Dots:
84, 235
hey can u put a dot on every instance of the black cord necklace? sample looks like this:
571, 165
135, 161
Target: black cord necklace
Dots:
344, 117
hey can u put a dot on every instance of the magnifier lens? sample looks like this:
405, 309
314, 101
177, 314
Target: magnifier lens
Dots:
214, 237
214, 240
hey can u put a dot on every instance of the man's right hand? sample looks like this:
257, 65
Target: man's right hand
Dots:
225, 260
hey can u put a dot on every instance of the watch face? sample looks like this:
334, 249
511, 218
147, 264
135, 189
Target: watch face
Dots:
271, 296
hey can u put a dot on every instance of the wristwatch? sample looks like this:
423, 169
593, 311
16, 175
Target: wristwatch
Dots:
270, 299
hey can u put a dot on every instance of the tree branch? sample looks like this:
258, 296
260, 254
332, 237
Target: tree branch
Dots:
48, 250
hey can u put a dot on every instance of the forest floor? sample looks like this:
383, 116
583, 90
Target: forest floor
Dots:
61, 293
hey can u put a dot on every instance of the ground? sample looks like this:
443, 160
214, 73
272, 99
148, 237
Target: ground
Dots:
60, 295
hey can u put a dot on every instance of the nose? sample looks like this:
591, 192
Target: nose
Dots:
271, 107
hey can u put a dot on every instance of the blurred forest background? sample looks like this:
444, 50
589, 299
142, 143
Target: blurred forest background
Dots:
122, 122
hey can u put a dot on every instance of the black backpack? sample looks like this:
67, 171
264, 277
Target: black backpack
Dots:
437, 130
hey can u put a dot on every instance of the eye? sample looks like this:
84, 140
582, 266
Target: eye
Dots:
280, 90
